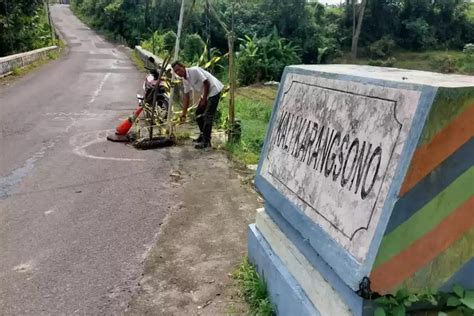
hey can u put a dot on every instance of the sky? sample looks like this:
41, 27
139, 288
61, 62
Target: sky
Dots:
330, 1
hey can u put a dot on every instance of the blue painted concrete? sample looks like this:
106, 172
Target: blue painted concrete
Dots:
354, 301
285, 293
336, 256
425, 190
465, 277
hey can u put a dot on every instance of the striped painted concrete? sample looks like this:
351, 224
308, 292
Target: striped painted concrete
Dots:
429, 239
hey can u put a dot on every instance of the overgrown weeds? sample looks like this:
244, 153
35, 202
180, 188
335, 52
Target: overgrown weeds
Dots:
253, 289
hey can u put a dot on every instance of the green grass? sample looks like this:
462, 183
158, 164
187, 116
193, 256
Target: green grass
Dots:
138, 61
253, 107
444, 61
438, 61
253, 289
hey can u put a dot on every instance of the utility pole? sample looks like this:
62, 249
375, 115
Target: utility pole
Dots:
175, 57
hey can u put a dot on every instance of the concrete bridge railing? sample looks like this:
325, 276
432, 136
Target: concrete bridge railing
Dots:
8, 63
145, 54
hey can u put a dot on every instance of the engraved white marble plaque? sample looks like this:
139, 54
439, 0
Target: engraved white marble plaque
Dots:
333, 150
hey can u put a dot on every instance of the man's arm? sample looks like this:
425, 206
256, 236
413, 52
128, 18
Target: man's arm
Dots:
205, 94
185, 105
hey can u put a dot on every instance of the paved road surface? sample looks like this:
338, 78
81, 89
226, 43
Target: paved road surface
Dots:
78, 214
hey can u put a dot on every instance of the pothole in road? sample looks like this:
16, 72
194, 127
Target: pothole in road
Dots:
104, 45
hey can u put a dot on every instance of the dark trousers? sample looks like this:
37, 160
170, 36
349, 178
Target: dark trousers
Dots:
205, 117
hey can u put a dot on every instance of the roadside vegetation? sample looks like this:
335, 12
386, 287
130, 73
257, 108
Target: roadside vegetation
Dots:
268, 38
413, 34
24, 26
430, 35
253, 289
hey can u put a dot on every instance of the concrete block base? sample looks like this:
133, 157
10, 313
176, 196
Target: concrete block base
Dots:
285, 293
297, 279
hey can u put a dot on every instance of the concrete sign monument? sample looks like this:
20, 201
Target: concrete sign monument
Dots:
356, 166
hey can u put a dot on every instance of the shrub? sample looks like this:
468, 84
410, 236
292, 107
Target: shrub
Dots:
382, 48
468, 49
155, 44
193, 47
420, 34
466, 63
445, 64
264, 58
389, 62
169, 40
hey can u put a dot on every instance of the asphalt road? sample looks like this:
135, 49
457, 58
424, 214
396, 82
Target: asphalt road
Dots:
78, 214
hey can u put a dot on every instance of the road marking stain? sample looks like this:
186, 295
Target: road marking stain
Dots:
74, 117
24, 267
82, 141
99, 89
11, 180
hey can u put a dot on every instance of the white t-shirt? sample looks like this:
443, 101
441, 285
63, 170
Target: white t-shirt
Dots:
195, 81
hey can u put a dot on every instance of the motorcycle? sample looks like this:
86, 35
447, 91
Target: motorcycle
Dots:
155, 104
150, 88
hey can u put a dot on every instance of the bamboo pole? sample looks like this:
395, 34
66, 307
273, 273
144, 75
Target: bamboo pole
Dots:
231, 40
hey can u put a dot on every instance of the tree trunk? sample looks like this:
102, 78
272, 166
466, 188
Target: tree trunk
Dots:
354, 3
147, 14
356, 30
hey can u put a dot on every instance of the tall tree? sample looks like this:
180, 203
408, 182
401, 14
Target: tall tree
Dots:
357, 26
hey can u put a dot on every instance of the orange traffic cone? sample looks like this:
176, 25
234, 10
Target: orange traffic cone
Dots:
124, 127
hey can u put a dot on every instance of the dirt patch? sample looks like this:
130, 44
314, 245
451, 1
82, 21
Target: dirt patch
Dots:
202, 239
